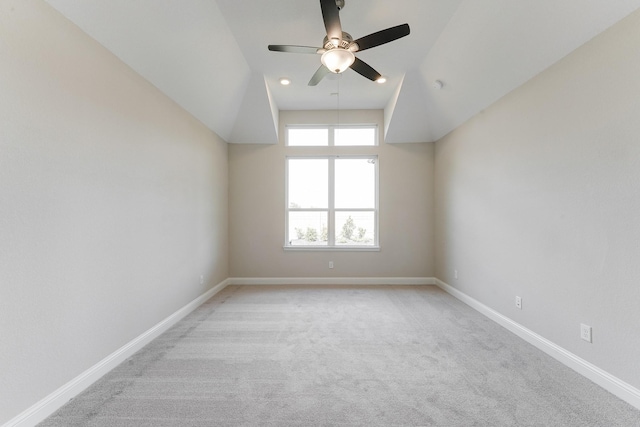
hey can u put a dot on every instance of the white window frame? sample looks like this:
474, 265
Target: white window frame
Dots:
331, 209
331, 130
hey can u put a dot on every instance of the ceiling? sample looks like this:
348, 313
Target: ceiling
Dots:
211, 57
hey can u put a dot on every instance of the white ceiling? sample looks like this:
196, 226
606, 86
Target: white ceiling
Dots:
211, 56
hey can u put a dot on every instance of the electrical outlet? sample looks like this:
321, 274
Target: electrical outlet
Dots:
519, 303
330, 264
201, 279
585, 332
455, 274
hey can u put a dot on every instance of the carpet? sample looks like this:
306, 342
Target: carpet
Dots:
341, 356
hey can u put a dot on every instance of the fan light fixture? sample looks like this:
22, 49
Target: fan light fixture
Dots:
338, 60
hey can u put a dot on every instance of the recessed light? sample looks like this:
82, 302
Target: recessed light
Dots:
285, 81
381, 80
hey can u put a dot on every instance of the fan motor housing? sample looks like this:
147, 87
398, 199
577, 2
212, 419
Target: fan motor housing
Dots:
344, 44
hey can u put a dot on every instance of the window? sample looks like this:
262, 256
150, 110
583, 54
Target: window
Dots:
307, 136
332, 202
325, 135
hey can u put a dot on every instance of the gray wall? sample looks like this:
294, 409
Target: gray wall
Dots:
113, 202
257, 205
539, 196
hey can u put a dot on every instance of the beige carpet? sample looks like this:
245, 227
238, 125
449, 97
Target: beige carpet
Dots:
332, 356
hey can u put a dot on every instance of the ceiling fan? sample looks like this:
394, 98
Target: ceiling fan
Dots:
339, 48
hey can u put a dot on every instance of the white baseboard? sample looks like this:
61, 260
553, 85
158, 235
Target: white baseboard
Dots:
58, 398
412, 281
612, 384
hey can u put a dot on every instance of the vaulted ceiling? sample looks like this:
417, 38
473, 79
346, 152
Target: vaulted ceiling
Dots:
211, 57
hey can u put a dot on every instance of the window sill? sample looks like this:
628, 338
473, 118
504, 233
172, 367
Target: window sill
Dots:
332, 248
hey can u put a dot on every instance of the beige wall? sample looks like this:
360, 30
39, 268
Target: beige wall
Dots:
539, 196
257, 208
113, 202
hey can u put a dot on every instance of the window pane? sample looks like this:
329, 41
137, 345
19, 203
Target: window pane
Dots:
307, 228
355, 228
355, 136
308, 183
306, 137
355, 183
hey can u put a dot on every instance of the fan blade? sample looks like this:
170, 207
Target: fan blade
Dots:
331, 17
365, 70
382, 37
293, 49
319, 75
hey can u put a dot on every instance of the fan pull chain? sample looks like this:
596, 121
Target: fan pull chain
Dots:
338, 101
